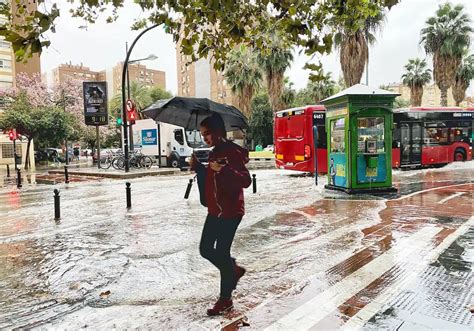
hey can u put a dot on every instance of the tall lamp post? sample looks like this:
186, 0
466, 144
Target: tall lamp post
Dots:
149, 57
124, 101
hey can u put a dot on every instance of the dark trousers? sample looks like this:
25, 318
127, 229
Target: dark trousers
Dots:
216, 241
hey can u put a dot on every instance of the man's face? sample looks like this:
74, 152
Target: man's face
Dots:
206, 134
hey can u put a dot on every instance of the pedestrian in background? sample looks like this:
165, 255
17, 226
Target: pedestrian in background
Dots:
225, 178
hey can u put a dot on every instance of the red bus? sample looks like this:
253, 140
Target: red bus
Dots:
294, 141
428, 136
422, 137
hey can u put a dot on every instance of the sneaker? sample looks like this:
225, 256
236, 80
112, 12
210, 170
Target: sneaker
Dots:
221, 306
238, 272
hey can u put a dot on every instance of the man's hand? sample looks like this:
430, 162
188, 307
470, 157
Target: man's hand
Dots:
193, 162
216, 166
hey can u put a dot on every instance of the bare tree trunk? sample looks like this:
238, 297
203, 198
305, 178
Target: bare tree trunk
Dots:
459, 91
27, 158
416, 95
353, 56
444, 97
275, 90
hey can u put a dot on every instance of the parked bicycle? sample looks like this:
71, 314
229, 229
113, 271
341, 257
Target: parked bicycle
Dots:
137, 160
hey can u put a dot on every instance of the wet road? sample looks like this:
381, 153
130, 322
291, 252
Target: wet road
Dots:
315, 259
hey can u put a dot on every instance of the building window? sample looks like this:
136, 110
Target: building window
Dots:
7, 64
7, 150
4, 44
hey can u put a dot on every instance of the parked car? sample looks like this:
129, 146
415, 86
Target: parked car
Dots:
269, 148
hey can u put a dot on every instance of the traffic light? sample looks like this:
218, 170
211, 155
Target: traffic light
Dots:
12, 134
119, 121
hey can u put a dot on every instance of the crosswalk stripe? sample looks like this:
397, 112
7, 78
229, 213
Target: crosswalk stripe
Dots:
311, 312
365, 314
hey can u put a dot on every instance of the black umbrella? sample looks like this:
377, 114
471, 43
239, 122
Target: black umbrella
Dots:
189, 112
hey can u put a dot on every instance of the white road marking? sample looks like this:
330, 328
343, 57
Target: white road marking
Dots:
365, 314
311, 312
429, 190
452, 196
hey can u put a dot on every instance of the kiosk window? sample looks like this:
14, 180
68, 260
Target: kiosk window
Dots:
370, 132
337, 136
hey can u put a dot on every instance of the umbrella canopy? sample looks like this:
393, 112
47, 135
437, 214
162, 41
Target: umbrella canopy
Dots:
189, 112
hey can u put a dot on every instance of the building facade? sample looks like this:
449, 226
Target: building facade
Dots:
113, 76
431, 95
9, 68
69, 70
199, 79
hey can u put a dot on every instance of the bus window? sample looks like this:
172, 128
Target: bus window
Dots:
459, 134
295, 126
322, 139
435, 136
337, 136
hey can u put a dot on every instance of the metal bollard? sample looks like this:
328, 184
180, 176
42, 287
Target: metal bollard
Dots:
254, 182
57, 210
66, 175
18, 178
128, 192
8, 171
188, 189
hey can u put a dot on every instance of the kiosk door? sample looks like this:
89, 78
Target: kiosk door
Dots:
411, 139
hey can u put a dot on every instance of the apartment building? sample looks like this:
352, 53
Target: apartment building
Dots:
113, 76
431, 95
200, 79
9, 68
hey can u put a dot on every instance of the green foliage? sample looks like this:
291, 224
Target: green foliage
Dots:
210, 26
448, 32
244, 75
447, 36
261, 120
139, 93
47, 125
314, 92
400, 103
465, 72
417, 73
157, 93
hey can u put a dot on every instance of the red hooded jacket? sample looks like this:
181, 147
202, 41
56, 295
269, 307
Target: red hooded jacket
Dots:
224, 189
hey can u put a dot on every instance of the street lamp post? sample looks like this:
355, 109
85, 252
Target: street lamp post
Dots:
124, 111
65, 139
149, 57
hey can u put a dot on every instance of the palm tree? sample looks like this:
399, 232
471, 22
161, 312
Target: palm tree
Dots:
139, 93
417, 75
463, 78
323, 88
274, 64
244, 76
446, 36
352, 39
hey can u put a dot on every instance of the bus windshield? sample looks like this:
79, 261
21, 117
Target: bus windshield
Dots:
194, 139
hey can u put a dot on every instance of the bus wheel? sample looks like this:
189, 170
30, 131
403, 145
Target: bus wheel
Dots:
459, 155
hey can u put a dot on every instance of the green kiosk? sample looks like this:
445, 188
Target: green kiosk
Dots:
359, 122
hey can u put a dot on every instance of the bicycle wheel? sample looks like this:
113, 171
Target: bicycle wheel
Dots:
105, 163
118, 163
146, 162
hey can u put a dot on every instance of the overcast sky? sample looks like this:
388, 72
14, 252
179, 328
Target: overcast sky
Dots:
102, 45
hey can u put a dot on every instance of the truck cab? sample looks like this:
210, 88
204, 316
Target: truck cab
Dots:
170, 142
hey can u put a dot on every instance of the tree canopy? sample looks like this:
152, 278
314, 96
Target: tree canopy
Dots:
205, 27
